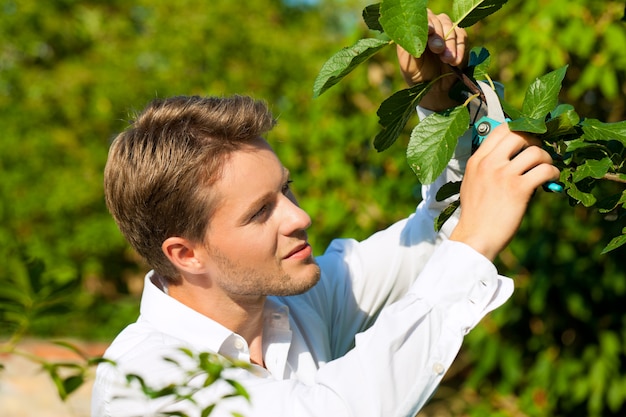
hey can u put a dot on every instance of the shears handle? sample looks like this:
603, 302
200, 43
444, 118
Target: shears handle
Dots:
483, 127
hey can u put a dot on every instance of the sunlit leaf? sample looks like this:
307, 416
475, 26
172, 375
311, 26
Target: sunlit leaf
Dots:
344, 61
592, 168
394, 113
467, 12
597, 130
527, 124
433, 141
616, 242
583, 146
406, 22
542, 96
587, 199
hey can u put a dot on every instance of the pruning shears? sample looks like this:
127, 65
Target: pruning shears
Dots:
486, 114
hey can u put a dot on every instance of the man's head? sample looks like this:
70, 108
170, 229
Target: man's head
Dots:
161, 170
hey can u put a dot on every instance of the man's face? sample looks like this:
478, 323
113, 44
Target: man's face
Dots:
256, 241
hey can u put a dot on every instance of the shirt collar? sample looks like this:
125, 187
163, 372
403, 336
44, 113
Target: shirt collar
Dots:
176, 319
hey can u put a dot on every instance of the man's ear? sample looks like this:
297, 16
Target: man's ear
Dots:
185, 255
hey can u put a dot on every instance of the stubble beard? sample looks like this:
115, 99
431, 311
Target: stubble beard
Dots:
246, 281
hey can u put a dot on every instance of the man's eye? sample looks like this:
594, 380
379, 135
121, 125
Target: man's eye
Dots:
287, 187
260, 213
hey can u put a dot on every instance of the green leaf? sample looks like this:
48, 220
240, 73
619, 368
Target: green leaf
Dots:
175, 414
344, 61
207, 410
587, 199
611, 202
542, 95
72, 383
98, 360
465, 13
58, 382
433, 141
581, 144
187, 352
480, 59
240, 391
527, 124
562, 123
592, 168
446, 214
371, 16
406, 22
448, 190
596, 130
561, 109
616, 242
394, 113
478, 55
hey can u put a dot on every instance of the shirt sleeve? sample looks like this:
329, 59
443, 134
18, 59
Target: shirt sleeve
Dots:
402, 358
361, 278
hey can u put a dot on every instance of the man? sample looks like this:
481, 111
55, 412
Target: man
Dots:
367, 329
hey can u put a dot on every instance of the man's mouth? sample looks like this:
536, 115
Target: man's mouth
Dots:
301, 251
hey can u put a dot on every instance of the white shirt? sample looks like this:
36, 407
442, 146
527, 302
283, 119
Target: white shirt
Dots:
373, 338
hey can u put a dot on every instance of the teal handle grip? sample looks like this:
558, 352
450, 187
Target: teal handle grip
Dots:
483, 127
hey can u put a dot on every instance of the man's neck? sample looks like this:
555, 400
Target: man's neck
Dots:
241, 314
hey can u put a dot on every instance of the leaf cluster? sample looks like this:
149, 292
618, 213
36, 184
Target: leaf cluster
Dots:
206, 367
573, 141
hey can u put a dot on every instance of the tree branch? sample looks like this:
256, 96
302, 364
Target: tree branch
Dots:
614, 177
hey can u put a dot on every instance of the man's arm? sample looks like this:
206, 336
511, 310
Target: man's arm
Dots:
507, 168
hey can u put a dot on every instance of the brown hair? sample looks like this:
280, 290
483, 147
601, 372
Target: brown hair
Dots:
159, 170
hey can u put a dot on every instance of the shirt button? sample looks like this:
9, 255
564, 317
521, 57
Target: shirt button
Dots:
238, 344
438, 368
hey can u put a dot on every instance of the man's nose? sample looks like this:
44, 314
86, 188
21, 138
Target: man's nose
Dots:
295, 217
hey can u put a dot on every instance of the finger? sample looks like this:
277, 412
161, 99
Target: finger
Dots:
528, 159
449, 54
493, 139
408, 65
435, 34
461, 42
506, 144
541, 174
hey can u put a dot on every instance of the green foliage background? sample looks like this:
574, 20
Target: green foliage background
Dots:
71, 72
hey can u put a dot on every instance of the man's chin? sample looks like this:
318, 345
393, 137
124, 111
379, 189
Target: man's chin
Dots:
303, 281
